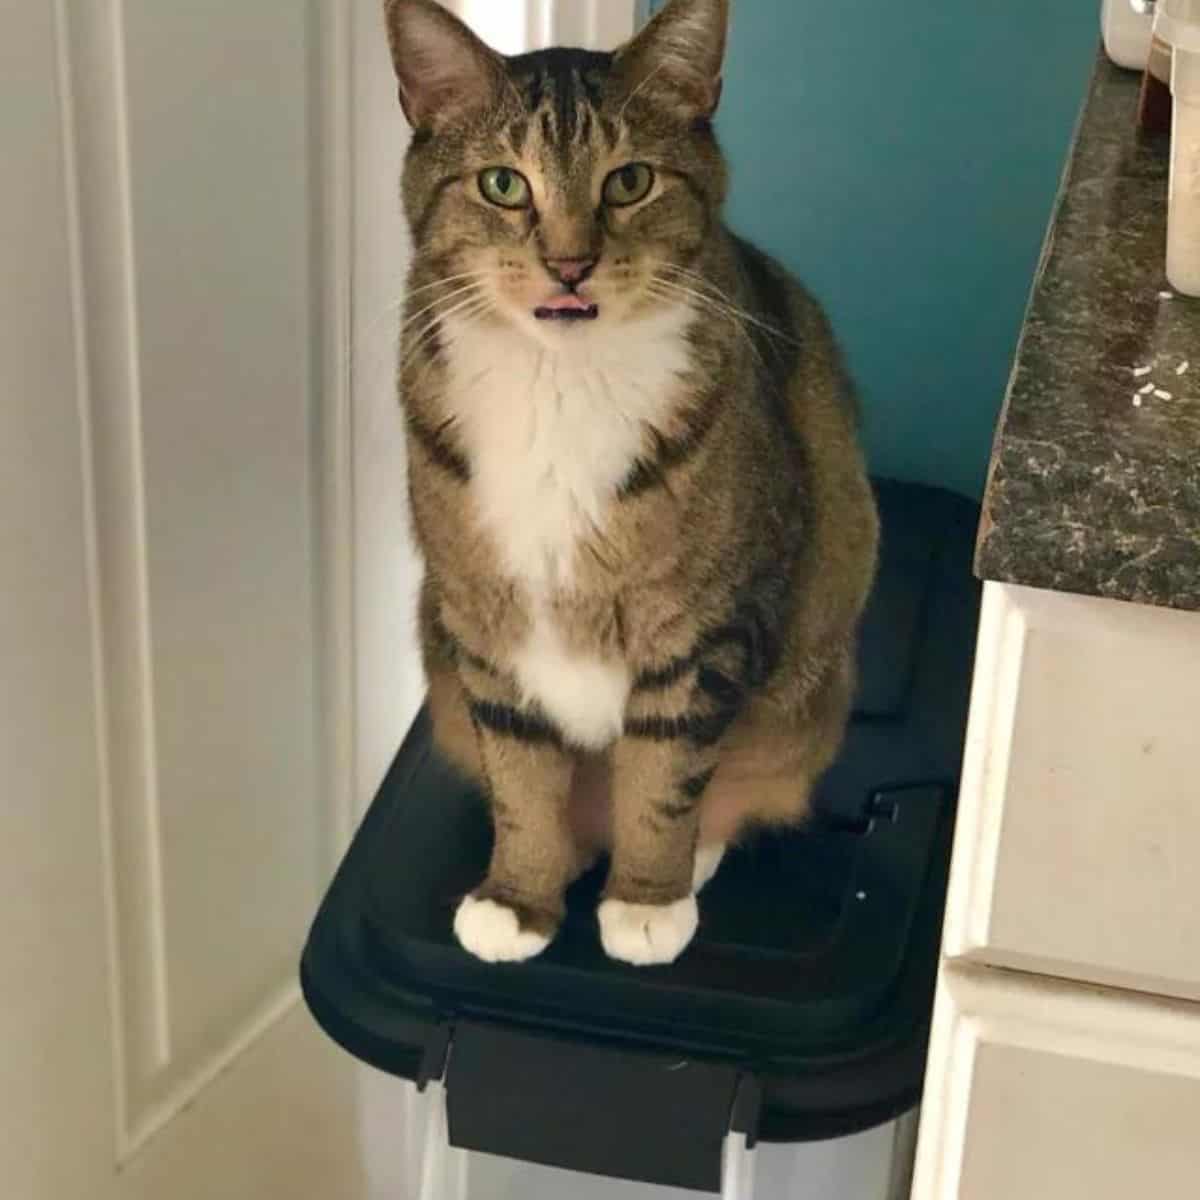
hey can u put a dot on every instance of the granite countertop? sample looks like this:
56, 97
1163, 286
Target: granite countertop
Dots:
1094, 487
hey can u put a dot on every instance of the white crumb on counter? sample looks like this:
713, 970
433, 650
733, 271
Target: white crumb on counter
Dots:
1166, 295
1163, 395
1137, 401
1183, 368
1138, 372
1146, 390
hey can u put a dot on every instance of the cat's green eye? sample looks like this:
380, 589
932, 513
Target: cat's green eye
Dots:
505, 187
628, 185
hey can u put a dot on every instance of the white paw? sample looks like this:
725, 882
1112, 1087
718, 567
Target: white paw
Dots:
646, 934
708, 859
492, 932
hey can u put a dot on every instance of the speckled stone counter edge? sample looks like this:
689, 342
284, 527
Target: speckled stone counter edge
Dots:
1095, 478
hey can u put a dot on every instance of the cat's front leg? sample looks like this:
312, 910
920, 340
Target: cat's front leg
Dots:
661, 768
514, 914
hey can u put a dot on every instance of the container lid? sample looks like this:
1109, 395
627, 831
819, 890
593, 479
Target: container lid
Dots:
814, 965
1178, 22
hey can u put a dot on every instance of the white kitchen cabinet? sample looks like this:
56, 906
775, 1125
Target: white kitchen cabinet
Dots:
1042, 1089
1065, 1058
1078, 849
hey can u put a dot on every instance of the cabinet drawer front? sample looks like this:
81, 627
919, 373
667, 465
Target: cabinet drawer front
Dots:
1078, 847
1050, 1091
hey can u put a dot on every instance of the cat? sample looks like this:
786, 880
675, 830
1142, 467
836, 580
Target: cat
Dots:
634, 476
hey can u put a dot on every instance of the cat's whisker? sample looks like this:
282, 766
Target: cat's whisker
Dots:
470, 289
417, 339
717, 304
468, 319
708, 294
364, 336
412, 337
765, 326
357, 368
707, 285
673, 290
406, 296
362, 339
446, 279
468, 309
720, 298
425, 340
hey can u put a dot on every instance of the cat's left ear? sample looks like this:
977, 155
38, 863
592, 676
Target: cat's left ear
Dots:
678, 58
444, 70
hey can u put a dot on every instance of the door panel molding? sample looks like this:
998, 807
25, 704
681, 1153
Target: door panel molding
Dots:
156, 1070
95, 135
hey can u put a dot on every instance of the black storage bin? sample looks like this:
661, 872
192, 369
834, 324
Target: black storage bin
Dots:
801, 1010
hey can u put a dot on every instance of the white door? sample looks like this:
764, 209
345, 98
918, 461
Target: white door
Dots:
178, 758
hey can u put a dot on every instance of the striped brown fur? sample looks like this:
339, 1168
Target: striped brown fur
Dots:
648, 536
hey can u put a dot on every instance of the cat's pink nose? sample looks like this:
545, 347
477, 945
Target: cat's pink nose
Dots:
570, 270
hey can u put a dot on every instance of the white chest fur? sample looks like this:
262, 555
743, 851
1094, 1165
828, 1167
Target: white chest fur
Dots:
551, 434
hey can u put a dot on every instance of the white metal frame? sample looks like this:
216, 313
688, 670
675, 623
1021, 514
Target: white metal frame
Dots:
904, 1155
737, 1168
444, 1169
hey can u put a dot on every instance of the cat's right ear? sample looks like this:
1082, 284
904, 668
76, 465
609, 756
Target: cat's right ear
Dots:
444, 70
676, 60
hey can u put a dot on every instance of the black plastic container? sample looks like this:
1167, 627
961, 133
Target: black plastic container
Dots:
801, 1010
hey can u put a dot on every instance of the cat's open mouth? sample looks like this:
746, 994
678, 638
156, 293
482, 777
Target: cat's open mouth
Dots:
570, 306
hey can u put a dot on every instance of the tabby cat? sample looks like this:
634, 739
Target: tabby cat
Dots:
634, 476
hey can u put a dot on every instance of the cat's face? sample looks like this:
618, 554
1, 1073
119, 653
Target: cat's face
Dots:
562, 190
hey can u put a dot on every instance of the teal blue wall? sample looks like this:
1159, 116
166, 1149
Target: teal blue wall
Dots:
902, 156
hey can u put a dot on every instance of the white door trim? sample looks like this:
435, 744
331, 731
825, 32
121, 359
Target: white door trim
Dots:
534, 24
333, 37
596, 24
